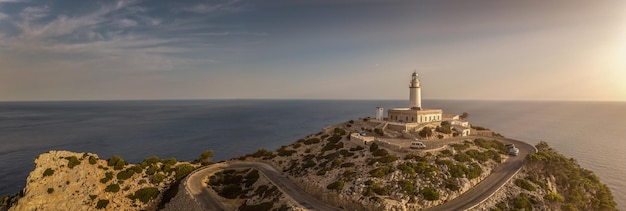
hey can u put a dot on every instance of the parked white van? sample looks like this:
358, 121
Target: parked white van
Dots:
418, 145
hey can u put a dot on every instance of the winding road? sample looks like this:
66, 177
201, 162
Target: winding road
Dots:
196, 186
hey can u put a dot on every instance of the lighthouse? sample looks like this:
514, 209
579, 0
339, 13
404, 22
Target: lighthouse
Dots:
415, 93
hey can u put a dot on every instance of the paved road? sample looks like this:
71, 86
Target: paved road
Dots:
493, 182
500, 175
207, 199
198, 189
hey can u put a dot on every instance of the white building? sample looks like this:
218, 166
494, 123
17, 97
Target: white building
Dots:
415, 112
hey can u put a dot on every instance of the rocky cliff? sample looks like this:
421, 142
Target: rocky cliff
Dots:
551, 181
371, 177
65, 180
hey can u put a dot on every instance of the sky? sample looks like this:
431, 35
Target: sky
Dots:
323, 49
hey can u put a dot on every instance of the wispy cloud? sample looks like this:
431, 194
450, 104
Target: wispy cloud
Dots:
34, 13
3, 16
206, 8
124, 23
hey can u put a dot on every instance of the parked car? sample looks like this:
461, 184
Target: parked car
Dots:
418, 145
509, 146
514, 151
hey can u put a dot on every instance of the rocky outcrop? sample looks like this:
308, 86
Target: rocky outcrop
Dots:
551, 181
65, 180
345, 174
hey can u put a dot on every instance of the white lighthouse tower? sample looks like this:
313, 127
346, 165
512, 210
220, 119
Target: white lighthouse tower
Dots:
415, 95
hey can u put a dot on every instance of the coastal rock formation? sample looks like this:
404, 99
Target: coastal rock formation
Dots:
551, 181
65, 180
371, 177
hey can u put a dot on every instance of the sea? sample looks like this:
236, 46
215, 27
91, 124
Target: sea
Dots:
591, 132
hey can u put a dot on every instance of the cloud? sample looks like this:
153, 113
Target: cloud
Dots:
34, 13
3, 16
206, 8
125, 23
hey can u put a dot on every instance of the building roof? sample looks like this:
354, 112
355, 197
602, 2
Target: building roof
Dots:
459, 127
449, 116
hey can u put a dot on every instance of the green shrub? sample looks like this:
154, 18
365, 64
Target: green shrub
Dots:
462, 157
114, 188
338, 185
123, 175
381, 171
339, 131
157, 178
284, 152
107, 177
93, 160
72, 161
453, 186
312, 141
231, 191
380, 190
251, 177
460, 147
430, 194
152, 170
522, 183
256, 207
145, 194
426, 132
408, 186
92, 197
357, 148
142, 181
297, 145
183, 170
552, 196
169, 161
388, 159
117, 162
380, 152
48, 172
102, 203
137, 169
206, 156
346, 165
522, 202
150, 161
50, 190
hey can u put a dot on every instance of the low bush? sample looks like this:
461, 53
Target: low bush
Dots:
338, 185
117, 162
113, 188
430, 194
150, 161
522, 183
145, 194
102, 203
381, 171
183, 170
93, 160
123, 175
157, 178
50, 190
462, 157
312, 141
339, 131
72, 161
48, 172
380, 152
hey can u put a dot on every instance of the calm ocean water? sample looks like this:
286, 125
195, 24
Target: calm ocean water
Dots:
591, 132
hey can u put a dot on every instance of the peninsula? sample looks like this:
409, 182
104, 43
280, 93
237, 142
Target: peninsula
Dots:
412, 159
